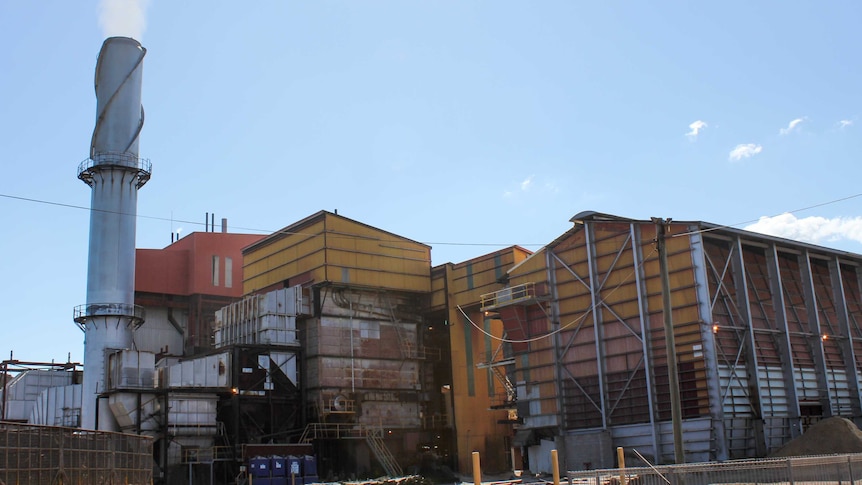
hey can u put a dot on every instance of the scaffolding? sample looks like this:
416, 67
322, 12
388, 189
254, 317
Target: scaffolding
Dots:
31, 454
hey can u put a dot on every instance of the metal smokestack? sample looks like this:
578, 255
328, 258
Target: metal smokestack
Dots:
115, 173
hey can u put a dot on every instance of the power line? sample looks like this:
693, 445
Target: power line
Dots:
437, 243
577, 320
710, 229
239, 228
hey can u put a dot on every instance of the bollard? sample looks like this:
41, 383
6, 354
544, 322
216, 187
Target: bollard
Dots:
555, 467
477, 469
621, 458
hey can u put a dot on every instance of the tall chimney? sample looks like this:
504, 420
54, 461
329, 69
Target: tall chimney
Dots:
114, 173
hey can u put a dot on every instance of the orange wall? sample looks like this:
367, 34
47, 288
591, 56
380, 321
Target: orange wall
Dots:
186, 266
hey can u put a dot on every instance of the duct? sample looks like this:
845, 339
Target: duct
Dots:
192, 414
260, 319
22, 391
204, 372
58, 406
135, 412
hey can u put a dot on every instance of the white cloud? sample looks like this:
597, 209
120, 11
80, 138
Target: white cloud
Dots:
695, 128
845, 123
815, 230
791, 126
745, 150
535, 186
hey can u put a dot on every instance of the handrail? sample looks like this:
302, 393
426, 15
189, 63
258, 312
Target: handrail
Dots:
508, 296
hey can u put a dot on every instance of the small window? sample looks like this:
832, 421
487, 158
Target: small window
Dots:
215, 270
228, 272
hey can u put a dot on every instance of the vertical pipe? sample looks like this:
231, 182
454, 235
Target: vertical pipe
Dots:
555, 467
670, 344
621, 464
477, 469
206, 222
643, 312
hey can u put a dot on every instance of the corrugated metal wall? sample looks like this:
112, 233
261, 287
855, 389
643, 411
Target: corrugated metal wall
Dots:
766, 331
331, 248
478, 393
363, 358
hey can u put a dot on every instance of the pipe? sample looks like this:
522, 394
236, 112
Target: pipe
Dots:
621, 464
477, 469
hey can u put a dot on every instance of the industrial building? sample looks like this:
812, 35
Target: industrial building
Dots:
339, 341
766, 330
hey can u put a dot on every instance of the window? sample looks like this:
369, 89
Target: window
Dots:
215, 270
228, 272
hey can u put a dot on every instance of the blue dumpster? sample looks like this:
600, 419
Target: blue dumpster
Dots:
278, 466
259, 467
309, 466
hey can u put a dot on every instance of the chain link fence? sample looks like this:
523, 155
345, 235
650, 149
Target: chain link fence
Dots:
31, 454
827, 469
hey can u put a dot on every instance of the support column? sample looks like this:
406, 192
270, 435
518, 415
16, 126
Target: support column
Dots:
713, 383
743, 306
784, 348
597, 320
815, 340
848, 355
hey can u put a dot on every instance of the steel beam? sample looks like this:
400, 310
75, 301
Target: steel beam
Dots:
743, 305
710, 358
785, 351
815, 341
847, 353
597, 319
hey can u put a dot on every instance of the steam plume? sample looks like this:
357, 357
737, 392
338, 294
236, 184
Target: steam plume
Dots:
126, 18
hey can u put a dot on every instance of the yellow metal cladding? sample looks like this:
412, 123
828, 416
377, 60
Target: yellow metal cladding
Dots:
596, 269
475, 390
366, 256
326, 247
284, 257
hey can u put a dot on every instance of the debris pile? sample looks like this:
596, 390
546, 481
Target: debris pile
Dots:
827, 437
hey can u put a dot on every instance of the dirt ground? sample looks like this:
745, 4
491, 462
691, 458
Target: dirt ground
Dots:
829, 436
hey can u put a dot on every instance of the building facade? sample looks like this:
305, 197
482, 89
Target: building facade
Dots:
766, 331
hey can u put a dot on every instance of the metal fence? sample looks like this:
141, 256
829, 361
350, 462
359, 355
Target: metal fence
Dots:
825, 469
31, 454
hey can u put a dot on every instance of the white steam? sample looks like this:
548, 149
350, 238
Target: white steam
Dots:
126, 18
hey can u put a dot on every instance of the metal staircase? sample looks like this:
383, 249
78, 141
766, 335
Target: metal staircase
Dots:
373, 435
374, 438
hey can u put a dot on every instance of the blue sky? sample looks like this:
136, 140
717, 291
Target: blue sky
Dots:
461, 124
